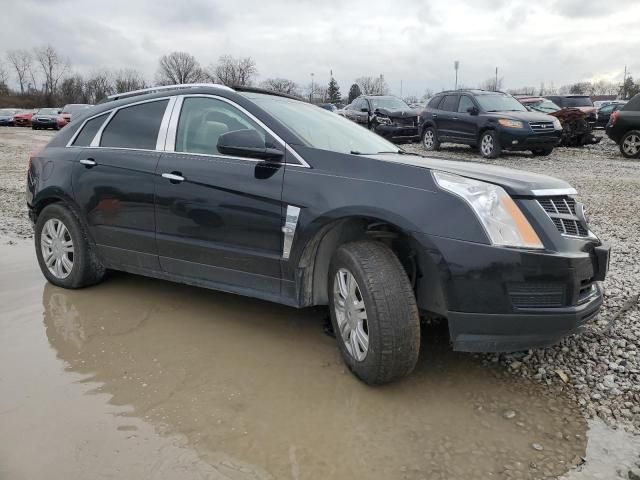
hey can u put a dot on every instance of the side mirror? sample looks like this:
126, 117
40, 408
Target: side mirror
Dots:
364, 110
247, 143
473, 110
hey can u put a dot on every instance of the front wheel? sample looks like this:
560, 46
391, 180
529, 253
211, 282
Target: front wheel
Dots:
630, 144
430, 140
373, 312
490, 145
542, 152
64, 253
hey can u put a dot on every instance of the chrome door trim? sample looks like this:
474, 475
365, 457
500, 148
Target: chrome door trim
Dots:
164, 124
289, 230
172, 127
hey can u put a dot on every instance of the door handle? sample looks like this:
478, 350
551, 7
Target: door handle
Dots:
88, 162
434, 115
173, 177
455, 118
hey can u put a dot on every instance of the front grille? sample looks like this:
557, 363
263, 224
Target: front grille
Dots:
406, 121
536, 295
542, 127
562, 211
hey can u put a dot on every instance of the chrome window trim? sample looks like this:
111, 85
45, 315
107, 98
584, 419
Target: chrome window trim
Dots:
77, 132
172, 127
98, 136
164, 124
221, 157
554, 192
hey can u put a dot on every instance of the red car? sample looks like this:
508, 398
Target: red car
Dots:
48, 118
23, 118
73, 109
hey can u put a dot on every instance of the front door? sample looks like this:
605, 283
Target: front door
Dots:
219, 217
113, 183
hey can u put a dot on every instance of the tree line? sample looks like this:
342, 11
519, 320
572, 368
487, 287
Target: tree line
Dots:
44, 77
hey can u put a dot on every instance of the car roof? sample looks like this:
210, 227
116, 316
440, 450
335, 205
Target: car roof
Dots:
472, 91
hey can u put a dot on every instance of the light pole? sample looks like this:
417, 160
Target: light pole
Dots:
312, 90
456, 65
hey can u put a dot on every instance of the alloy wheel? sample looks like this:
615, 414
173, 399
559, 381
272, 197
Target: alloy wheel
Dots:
351, 314
429, 139
631, 145
57, 248
486, 146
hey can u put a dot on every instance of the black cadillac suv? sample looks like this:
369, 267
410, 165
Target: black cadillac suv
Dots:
386, 115
490, 121
260, 194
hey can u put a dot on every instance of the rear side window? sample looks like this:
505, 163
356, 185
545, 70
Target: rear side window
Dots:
89, 131
135, 127
449, 103
633, 104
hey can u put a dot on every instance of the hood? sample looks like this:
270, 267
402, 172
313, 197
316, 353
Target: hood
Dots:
405, 112
515, 182
522, 116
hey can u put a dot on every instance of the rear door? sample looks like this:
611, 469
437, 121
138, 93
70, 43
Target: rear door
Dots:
221, 220
113, 182
447, 116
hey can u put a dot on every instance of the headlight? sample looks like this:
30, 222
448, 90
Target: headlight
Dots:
499, 215
383, 120
556, 124
505, 122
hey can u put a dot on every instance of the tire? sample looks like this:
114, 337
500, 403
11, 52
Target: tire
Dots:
386, 299
542, 152
430, 140
86, 269
489, 145
34, 128
630, 144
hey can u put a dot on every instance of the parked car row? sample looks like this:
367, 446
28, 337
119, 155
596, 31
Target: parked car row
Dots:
41, 118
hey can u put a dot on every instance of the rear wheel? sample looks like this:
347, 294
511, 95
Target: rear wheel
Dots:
64, 253
542, 152
430, 140
630, 144
490, 145
373, 312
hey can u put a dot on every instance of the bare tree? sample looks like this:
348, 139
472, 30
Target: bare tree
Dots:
281, 85
428, 93
21, 61
128, 80
373, 85
179, 67
411, 99
233, 71
53, 68
98, 86
4, 77
492, 84
71, 90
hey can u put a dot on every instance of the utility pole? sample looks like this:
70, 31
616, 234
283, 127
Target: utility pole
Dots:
312, 90
496, 87
456, 65
624, 84
400, 88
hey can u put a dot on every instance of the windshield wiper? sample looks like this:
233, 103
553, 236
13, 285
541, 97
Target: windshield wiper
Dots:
399, 152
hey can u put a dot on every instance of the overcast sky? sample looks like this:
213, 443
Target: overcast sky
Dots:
560, 41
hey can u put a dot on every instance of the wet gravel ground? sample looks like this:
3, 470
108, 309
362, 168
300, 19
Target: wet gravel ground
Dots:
600, 367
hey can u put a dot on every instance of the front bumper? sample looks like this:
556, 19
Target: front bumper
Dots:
512, 139
393, 132
506, 299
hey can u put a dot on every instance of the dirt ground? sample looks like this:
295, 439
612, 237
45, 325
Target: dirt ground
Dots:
140, 378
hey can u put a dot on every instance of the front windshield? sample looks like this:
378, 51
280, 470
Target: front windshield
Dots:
545, 106
322, 129
7, 111
499, 103
578, 102
48, 111
390, 103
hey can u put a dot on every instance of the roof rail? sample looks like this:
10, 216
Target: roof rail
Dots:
117, 96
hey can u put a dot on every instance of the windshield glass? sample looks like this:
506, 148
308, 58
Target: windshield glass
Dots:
578, 102
48, 111
545, 106
7, 111
390, 103
499, 103
322, 129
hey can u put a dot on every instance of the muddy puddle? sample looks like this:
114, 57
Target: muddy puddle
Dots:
138, 378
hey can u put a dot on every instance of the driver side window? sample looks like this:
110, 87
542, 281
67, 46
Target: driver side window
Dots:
465, 104
203, 120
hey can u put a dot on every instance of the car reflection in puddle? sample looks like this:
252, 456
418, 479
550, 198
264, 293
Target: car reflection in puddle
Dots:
258, 386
